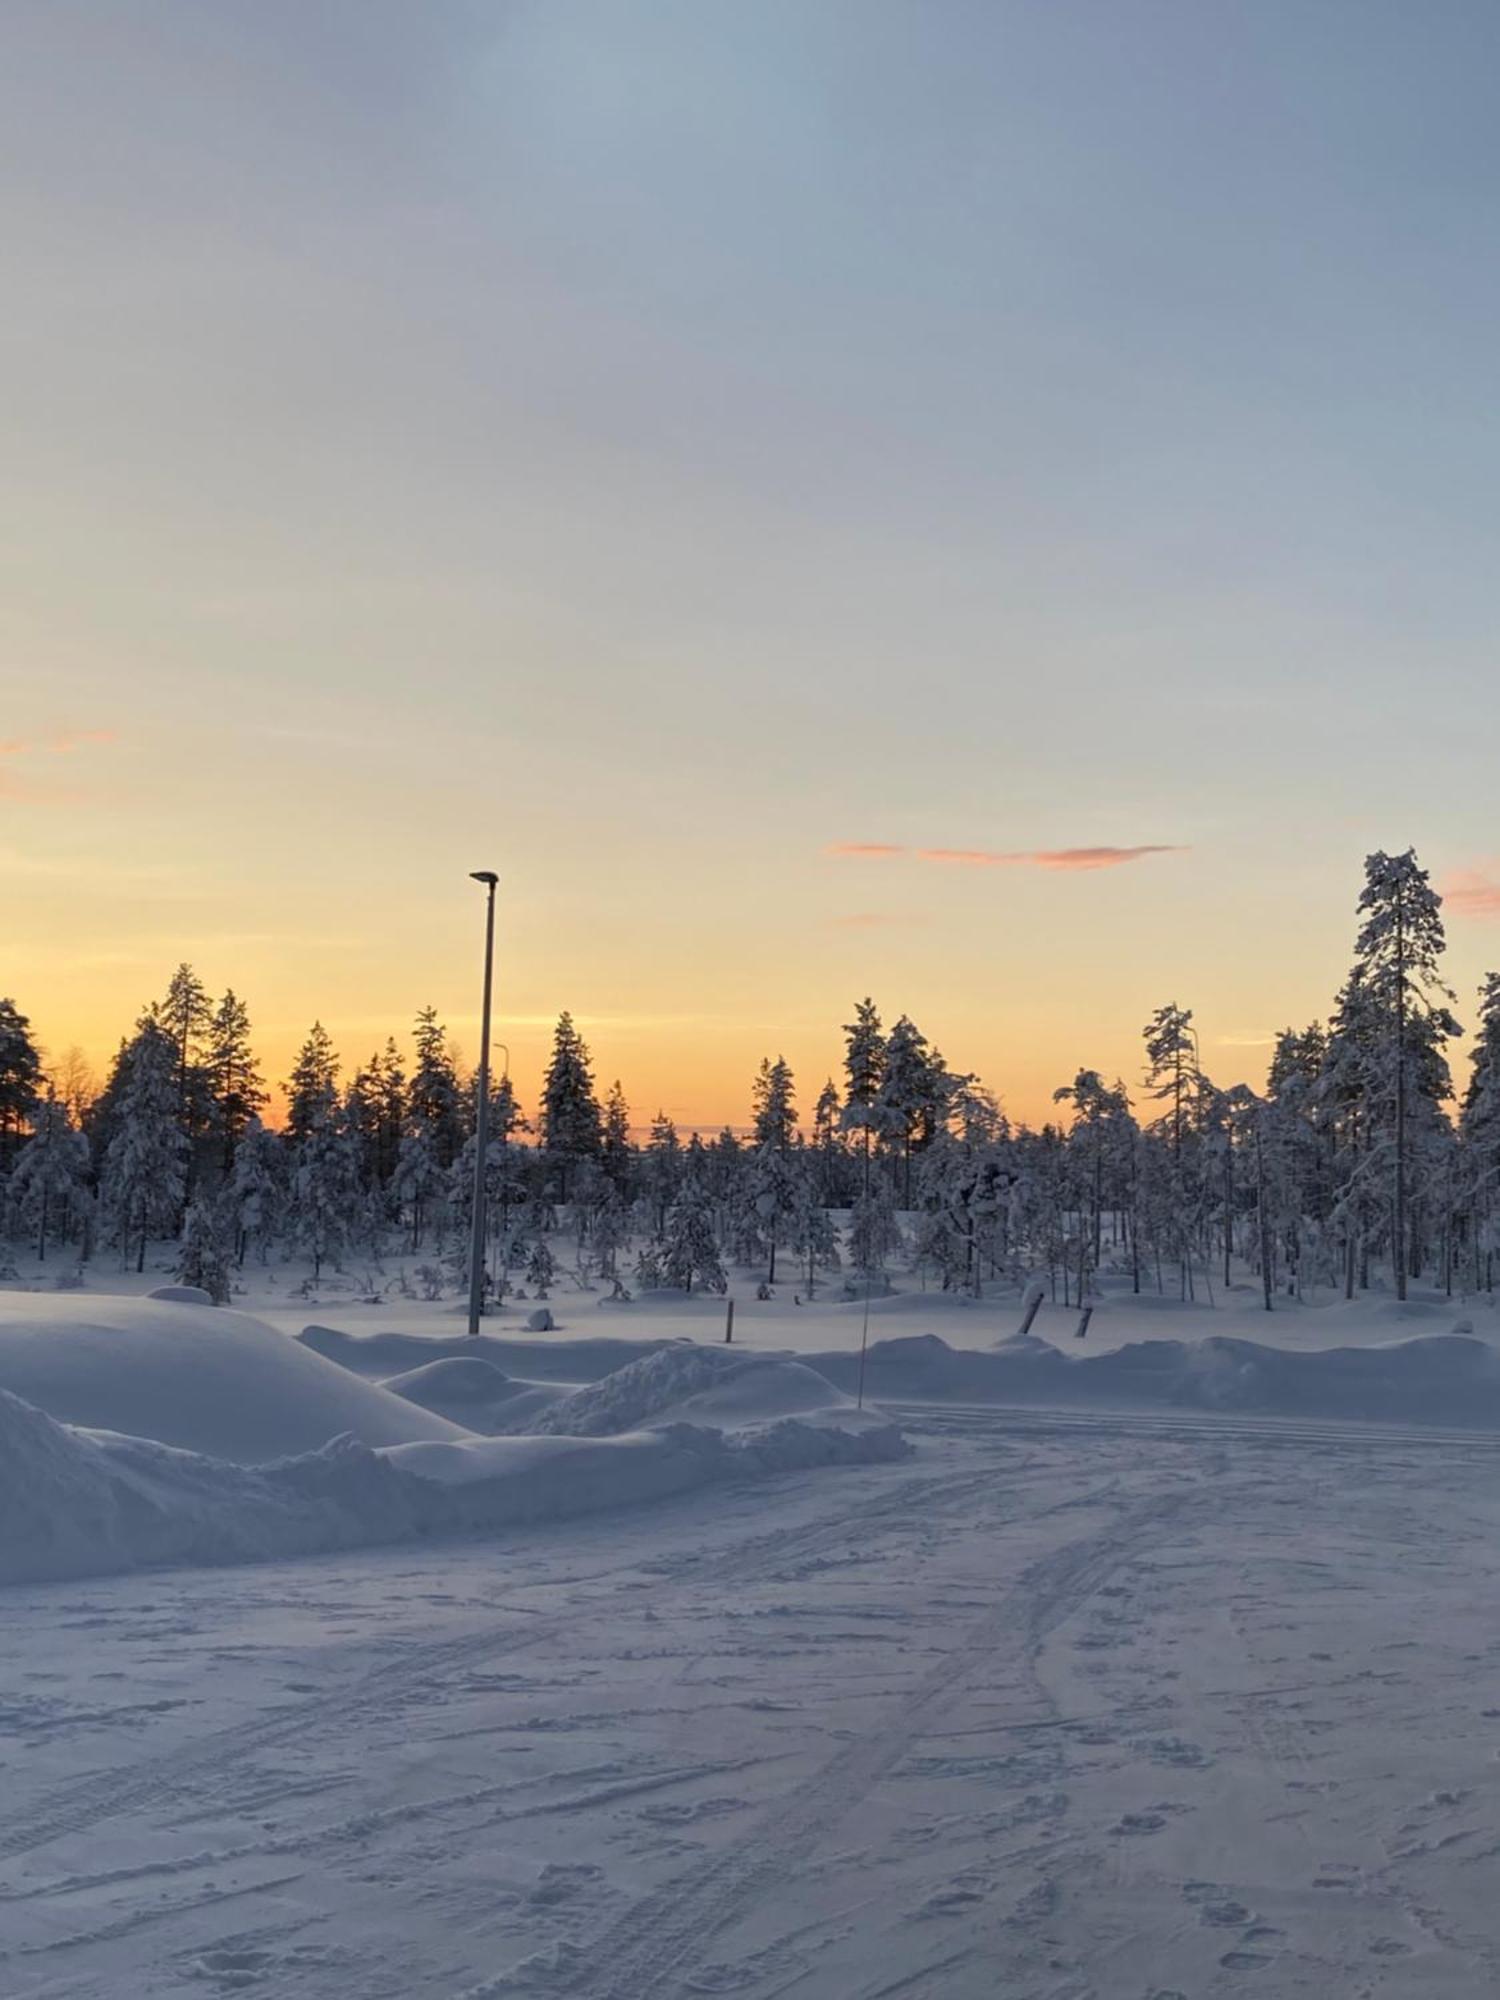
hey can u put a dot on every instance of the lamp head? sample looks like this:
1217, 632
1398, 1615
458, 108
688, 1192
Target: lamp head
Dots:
483, 875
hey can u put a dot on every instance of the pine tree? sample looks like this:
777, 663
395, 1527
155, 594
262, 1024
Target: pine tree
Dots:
201, 1258
20, 1079
312, 1088
48, 1186
829, 1157
434, 1098
774, 1100
255, 1193
1480, 1126
864, 1066
325, 1205
186, 1015
662, 1169
1397, 951
145, 1169
234, 1078
617, 1157
689, 1252
904, 1099
812, 1235
570, 1124
1172, 1068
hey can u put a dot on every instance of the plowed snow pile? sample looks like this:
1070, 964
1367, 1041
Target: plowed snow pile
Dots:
699, 1385
200, 1377
80, 1501
1448, 1379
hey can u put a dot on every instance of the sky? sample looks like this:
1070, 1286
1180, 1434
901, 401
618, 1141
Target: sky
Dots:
990, 505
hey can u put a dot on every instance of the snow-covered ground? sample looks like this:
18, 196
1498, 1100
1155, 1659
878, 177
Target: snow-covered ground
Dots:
1047, 1709
1165, 1665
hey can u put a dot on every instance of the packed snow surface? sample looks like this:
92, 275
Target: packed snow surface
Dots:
1053, 1708
190, 1375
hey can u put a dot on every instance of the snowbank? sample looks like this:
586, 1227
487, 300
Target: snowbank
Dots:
80, 1503
1446, 1379
382, 1355
88, 1503
474, 1393
698, 1385
196, 1376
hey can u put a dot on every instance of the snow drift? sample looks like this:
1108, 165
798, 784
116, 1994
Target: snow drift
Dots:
1444, 1379
76, 1503
699, 1385
199, 1377
204, 1394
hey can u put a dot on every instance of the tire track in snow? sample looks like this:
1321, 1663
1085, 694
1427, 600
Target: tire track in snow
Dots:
667, 1931
191, 1769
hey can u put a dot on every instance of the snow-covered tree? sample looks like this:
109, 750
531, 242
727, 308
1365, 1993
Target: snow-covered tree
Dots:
201, 1257
20, 1078
774, 1102
690, 1253
255, 1192
617, 1158
145, 1168
1397, 952
234, 1080
312, 1087
324, 1207
48, 1186
570, 1122
434, 1097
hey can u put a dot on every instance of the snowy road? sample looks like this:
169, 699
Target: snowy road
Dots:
1062, 1709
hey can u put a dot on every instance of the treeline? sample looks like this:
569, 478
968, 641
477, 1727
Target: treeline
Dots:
1346, 1164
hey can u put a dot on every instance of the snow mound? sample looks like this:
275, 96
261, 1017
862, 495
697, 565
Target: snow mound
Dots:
474, 1393
1443, 1379
75, 1503
383, 1355
183, 1295
202, 1378
700, 1385
90, 1503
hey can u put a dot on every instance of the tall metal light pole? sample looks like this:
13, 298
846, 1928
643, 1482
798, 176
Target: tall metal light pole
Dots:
482, 1121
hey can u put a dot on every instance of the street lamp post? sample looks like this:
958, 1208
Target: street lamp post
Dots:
482, 1121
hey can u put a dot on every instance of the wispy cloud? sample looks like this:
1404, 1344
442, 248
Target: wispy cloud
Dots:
58, 744
1471, 892
1065, 859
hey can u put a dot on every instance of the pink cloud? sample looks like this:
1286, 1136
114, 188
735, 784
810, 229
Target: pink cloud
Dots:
1471, 893
867, 850
59, 743
1066, 858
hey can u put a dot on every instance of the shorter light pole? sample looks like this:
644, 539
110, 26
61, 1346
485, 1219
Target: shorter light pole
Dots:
482, 1119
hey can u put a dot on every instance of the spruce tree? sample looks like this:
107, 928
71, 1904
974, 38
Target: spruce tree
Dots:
20, 1079
434, 1098
570, 1123
662, 1169
255, 1193
690, 1255
617, 1156
774, 1103
48, 1186
145, 1169
201, 1258
234, 1078
312, 1088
